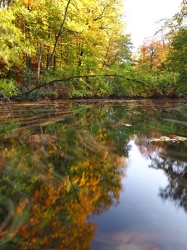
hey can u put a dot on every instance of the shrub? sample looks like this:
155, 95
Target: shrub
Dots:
7, 88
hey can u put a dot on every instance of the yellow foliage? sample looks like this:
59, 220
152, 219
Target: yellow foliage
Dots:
28, 2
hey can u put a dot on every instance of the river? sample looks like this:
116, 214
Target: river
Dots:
98, 174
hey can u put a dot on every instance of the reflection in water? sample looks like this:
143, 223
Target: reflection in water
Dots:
172, 159
141, 220
54, 174
63, 163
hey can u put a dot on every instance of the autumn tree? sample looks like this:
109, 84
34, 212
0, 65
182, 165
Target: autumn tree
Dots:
73, 33
152, 54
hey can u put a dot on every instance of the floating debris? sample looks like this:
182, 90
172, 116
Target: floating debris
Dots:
172, 138
127, 124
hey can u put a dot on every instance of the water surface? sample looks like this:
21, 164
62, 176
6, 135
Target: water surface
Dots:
93, 175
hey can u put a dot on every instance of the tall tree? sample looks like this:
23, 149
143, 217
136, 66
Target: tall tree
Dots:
58, 35
177, 57
152, 54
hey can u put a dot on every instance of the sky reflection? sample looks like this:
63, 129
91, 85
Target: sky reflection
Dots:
142, 220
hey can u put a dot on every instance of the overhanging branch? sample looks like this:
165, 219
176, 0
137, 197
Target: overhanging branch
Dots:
83, 76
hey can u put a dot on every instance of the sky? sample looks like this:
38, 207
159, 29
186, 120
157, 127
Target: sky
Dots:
141, 16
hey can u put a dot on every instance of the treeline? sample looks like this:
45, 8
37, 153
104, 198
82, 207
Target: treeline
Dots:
47, 40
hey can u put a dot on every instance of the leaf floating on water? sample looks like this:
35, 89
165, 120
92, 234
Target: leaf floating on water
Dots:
127, 125
172, 138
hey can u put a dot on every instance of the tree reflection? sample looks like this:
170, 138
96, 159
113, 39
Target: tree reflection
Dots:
166, 119
173, 162
62, 163
171, 158
54, 176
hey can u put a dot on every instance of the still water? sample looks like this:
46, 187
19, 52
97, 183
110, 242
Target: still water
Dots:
100, 175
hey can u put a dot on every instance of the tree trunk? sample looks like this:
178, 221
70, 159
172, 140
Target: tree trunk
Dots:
40, 59
58, 36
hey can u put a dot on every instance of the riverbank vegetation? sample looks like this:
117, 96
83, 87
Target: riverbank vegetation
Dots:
80, 49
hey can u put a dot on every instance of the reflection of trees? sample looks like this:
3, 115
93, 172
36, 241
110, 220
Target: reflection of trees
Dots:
53, 176
177, 187
173, 162
167, 119
62, 163
172, 159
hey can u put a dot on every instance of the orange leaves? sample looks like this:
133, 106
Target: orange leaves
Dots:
21, 206
88, 180
153, 52
28, 2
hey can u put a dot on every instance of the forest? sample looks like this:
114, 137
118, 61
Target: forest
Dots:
69, 49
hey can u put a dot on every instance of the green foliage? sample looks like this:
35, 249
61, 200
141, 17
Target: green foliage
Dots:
8, 129
12, 45
38, 94
80, 50
52, 75
8, 88
177, 57
30, 78
163, 84
133, 83
167, 83
74, 93
80, 88
29, 35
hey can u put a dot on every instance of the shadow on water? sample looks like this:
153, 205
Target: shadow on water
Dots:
63, 163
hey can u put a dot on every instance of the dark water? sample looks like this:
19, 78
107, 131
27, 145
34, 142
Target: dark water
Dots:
93, 175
